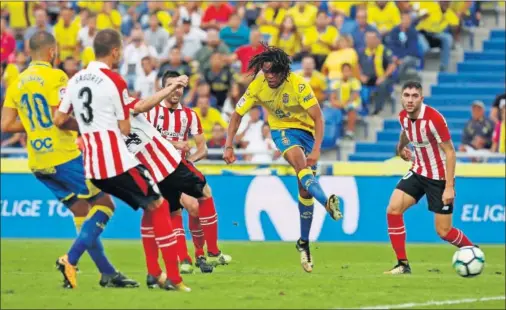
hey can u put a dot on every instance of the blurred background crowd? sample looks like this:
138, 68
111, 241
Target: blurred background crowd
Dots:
352, 53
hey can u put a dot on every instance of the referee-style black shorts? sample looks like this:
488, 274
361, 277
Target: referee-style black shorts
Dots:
417, 186
135, 187
185, 179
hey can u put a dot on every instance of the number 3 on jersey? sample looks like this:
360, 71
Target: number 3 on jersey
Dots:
37, 104
86, 97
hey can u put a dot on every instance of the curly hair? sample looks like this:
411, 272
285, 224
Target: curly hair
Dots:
279, 59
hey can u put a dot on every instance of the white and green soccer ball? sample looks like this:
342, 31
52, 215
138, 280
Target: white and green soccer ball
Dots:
469, 261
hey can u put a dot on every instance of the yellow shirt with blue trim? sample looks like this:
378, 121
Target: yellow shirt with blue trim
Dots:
312, 38
287, 105
384, 19
33, 94
345, 89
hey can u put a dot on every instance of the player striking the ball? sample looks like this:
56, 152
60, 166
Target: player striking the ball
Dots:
297, 128
432, 174
53, 155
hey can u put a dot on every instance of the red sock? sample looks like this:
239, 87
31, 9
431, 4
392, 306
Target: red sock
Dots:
149, 244
182, 250
397, 234
209, 223
197, 235
166, 240
457, 238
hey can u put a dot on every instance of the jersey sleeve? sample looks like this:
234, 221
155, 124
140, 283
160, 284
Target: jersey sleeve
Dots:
305, 94
439, 128
11, 96
59, 86
196, 125
247, 101
119, 96
355, 85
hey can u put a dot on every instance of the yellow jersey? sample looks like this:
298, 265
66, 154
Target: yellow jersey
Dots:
212, 118
269, 31
66, 37
303, 20
287, 105
111, 20
436, 22
11, 73
318, 83
33, 94
384, 19
343, 6
93, 6
345, 89
291, 44
20, 13
313, 37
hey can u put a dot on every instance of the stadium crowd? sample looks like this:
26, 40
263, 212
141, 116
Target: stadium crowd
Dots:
351, 53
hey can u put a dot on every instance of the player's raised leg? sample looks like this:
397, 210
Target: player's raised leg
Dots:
448, 233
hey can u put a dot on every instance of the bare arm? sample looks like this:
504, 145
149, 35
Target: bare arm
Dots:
403, 142
147, 104
451, 161
201, 152
316, 114
124, 127
64, 121
233, 126
10, 121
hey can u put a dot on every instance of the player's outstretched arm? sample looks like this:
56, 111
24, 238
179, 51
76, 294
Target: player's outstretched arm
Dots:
149, 103
10, 122
233, 126
451, 162
315, 112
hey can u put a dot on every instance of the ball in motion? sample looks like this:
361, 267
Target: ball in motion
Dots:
469, 261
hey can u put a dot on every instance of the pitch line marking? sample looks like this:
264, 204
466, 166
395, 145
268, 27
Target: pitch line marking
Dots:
436, 303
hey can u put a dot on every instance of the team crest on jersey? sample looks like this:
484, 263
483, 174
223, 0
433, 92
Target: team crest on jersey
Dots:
184, 121
285, 141
62, 92
285, 98
301, 87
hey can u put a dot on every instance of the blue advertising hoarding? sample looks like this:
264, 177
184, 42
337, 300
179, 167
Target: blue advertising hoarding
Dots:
265, 208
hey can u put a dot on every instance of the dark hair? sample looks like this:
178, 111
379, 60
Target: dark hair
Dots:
168, 75
345, 65
105, 41
70, 58
146, 58
412, 84
41, 39
321, 12
281, 29
278, 57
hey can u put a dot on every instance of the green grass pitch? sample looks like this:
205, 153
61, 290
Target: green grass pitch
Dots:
262, 275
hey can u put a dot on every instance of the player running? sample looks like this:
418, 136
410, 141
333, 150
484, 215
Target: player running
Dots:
99, 97
297, 128
53, 155
176, 123
432, 174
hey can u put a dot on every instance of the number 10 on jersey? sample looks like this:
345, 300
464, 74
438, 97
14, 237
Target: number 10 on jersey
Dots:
38, 110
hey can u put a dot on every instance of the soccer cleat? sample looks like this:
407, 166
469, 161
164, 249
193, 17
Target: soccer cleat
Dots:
186, 267
117, 280
201, 263
306, 260
218, 259
181, 287
400, 268
156, 282
332, 207
68, 271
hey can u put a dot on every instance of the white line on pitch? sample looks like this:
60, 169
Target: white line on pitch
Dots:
436, 303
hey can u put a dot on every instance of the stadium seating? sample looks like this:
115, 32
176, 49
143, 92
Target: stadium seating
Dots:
479, 77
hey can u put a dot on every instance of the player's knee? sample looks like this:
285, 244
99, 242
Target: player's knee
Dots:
207, 191
80, 208
192, 206
105, 201
395, 209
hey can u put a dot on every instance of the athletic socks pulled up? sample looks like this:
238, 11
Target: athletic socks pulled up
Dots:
397, 234
310, 184
209, 223
197, 235
457, 238
306, 208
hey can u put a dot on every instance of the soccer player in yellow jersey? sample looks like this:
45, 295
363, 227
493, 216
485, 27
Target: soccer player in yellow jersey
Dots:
53, 155
296, 123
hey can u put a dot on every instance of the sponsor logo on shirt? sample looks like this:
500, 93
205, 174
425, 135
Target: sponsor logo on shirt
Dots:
285, 98
308, 97
301, 87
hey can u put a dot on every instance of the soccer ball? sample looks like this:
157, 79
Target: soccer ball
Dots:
468, 261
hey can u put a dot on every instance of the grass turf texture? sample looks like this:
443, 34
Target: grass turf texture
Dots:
262, 275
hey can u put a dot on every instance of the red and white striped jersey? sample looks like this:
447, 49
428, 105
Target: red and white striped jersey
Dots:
99, 98
177, 124
425, 134
159, 156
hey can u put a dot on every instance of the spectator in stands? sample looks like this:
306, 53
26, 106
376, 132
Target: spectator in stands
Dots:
87, 34
217, 141
209, 117
251, 138
93, 6
66, 35
216, 15
344, 53
192, 11
346, 96
234, 95
499, 137
342, 8
403, 41
174, 63
320, 38
219, 77
384, 15
235, 34
160, 9
265, 149
20, 15
203, 90
70, 66
193, 38
304, 15
156, 35
316, 79
434, 29
287, 37
376, 69
360, 29
477, 134
41, 24
108, 17
495, 116
132, 55
145, 83
7, 42
12, 70
269, 20
246, 52
13, 140
213, 45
